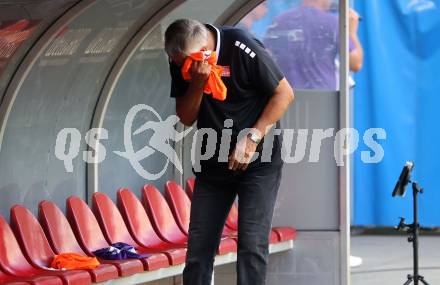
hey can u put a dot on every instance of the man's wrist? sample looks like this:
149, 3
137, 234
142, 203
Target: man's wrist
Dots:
197, 85
255, 136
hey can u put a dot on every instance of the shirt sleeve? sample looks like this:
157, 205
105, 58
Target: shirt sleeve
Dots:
178, 84
262, 70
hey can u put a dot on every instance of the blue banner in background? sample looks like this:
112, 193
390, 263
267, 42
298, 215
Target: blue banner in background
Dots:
398, 89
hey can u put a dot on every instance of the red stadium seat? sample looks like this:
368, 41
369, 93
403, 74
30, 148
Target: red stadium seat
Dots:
141, 229
179, 203
115, 230
165, 225
37, 280
57, 228
37, 249
285, 233
11, 280
190, 187
63, 239
13, 263
161, 216
90, 237
232, 219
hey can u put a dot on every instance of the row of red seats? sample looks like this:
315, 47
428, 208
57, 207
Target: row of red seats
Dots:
152, 226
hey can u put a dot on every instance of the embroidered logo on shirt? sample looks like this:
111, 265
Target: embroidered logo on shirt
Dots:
245, 49
226, 71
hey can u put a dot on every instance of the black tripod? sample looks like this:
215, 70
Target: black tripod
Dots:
413, 231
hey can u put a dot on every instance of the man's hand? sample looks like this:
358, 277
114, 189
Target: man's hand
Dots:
199, 71
242, 154
187, 107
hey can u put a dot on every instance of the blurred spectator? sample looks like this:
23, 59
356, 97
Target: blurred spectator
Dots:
258, 13
273, 8
305, 42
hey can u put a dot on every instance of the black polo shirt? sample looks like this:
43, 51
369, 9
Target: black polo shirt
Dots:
251, 76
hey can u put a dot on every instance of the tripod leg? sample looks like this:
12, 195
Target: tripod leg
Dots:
410, 279
422, 279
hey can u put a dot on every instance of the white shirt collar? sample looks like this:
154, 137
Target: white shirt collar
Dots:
217, 46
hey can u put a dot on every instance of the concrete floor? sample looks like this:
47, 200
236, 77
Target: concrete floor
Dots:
388, 259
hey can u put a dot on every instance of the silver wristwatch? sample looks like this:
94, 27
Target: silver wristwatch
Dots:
254, 137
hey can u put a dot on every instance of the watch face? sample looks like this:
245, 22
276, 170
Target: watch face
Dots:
254, 137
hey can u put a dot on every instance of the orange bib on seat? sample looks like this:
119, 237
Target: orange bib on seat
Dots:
74, 261
214, 84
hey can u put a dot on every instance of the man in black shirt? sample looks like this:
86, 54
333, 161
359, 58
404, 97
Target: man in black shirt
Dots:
257, 97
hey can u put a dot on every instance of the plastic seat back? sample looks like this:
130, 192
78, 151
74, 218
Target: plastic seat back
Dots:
137, 219
179, 203
110, 219
232, 219
190, 187
10, 280
161, 216
58, 229
12, 260
63, 239
31, 236
85, 225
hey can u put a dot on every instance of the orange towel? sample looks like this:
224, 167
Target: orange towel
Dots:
74, 261
214, 84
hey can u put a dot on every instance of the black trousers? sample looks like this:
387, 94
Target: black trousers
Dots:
257, 189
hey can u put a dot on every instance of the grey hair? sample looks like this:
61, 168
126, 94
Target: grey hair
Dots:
184, 36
